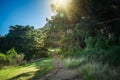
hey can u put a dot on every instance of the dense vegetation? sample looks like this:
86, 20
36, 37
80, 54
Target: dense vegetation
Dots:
90, 37
26, 40
87, 33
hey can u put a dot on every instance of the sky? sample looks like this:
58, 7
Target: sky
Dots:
23, 12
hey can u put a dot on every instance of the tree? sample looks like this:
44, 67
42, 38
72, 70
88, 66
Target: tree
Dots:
81, 19
25, 39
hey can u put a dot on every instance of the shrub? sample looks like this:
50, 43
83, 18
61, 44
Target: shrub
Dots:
13, 58
93, 54
113, 56
72, 51
19, 58
2, 59
89, 42
11, 52
101, 42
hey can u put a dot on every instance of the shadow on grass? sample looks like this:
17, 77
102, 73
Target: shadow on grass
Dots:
21, 75
44, 68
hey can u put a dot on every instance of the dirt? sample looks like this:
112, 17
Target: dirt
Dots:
61, 73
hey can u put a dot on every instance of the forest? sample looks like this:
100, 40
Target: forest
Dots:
85, 34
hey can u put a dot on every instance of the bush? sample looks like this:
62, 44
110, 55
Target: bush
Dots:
113, 56
93, 55
101, 42
2, 59
72, 51
19, 58
11, 52
13, 58
89, 42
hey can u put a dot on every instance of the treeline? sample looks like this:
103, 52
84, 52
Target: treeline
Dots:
25, 40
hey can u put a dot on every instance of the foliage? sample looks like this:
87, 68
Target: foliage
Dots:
84, 30
11, 58
112, 56
71, 51
87, 18
38, 53
11, 52
2, 59
25, 39
101, 42
98, 60
90, 42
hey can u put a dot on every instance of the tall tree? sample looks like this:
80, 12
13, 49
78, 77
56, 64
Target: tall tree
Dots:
25, 39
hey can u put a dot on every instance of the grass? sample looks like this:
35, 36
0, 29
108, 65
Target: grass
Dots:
73, 62
30, 71
98, 71
92, 70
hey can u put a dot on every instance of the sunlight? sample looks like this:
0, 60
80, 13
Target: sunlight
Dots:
61, 3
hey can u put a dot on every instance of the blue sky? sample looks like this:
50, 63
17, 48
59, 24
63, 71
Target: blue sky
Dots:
23, 12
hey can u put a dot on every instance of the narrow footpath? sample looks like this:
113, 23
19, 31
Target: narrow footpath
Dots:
61, 73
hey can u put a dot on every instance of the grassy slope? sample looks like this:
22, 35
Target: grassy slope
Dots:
29, 71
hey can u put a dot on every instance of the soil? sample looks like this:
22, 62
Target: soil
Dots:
61, 73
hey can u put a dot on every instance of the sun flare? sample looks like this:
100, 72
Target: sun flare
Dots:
61, 3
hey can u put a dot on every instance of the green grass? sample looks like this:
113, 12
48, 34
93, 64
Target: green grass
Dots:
98, 71
30, 71
92, 70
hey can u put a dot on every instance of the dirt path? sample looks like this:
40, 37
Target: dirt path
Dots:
61, 73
